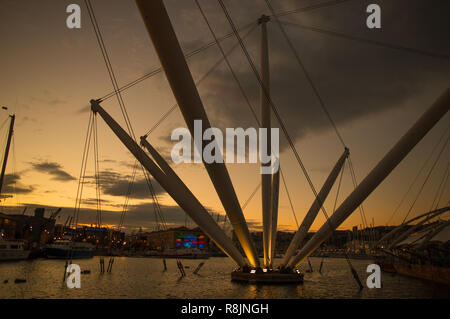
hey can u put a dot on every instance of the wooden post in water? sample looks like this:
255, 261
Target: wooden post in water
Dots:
198, 267
102, 265
165, 265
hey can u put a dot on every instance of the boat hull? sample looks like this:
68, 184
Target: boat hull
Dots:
56, 253
436, 274
6, 255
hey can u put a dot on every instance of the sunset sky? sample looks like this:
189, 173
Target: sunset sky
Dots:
49, 73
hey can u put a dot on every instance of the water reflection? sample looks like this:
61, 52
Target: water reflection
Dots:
271, 291
146, 278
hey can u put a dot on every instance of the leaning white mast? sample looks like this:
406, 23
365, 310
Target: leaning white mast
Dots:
180, 79
174, 187
302, 231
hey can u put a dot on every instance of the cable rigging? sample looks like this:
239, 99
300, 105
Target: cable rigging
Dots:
322, 104
441, 188
247, 100
210, 44
426, 179
269, 100
368, 41
271, 103
419, 172
307, 75
289, 198
117, 92
218, 62
82, 176
319, 98
97, 173
310, 7
251, 196
355, 183
312, 84
159, 70
333, 33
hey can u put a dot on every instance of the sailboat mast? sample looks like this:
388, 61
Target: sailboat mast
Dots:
8, 145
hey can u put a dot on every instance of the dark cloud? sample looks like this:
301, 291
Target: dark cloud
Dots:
117, 184
47, 99
354, 79
108, 161
84, 109
53, 169
57, 102
142, 215
28, 119
93, 201
172, 215
12, 185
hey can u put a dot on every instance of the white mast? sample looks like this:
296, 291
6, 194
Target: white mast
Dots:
180, 79
175, 188
274, 202
314, 210
266, 179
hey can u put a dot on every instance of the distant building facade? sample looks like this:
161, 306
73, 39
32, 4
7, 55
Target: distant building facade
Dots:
176, 238
35, 229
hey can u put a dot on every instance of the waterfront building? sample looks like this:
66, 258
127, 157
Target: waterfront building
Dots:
36, 229
8, 226
176, 238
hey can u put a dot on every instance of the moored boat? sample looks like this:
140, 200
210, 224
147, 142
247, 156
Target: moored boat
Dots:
13, 250
65, 248
420, 251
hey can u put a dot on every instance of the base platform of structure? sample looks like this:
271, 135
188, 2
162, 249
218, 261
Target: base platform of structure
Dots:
273, 277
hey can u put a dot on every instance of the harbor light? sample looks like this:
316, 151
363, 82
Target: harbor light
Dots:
252, 271
265, 269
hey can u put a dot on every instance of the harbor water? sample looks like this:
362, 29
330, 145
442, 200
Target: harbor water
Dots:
146, 278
